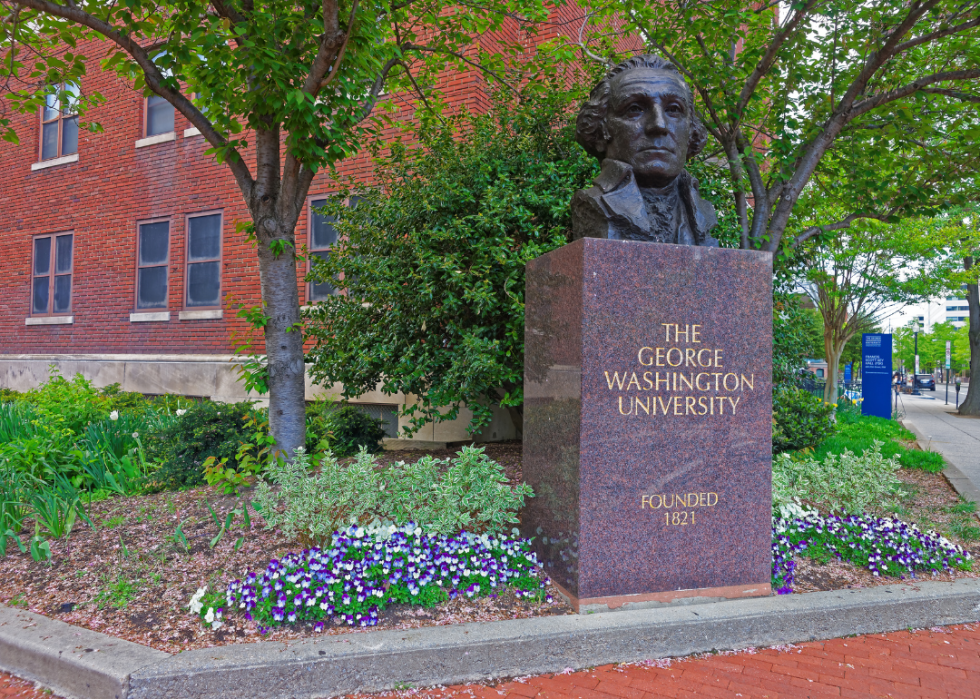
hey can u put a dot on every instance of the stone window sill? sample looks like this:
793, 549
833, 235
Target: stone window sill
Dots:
64, 160
145, 317
153, 140
50, 320
201, 315
192, 131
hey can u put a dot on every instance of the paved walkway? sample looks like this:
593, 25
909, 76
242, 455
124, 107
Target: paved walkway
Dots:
935, 663
939, 428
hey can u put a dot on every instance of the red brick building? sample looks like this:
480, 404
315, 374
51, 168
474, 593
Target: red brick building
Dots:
120, 247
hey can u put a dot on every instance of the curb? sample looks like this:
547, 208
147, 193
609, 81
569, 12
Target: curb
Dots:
960, 482
53, 653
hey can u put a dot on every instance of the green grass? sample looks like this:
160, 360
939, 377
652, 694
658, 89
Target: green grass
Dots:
856, 433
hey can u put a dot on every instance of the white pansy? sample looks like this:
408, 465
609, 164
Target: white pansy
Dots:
209, 617
180, 411
114, 415
196, 605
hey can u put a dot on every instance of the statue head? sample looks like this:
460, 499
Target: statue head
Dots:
642, 113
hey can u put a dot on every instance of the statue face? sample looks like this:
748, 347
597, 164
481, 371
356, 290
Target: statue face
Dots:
648, 124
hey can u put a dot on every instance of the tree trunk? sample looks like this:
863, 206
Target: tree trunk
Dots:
971, 405
284, 349
833, 348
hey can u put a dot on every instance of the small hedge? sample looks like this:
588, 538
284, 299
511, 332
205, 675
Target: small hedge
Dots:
800, 420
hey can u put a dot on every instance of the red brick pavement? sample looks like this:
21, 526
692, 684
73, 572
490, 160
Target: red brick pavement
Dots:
940, 662
934, 663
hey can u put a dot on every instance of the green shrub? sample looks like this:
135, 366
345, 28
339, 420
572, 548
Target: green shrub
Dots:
351, 429
205, 429
467, 492
926, 460
854, 484
312, 507
858, 433
800, 420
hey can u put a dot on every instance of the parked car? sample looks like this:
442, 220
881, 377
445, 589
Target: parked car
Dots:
925, 381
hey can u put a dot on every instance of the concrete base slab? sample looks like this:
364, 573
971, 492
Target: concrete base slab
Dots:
73, 661
382, 660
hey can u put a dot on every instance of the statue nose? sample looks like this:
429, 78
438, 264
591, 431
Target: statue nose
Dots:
656, 119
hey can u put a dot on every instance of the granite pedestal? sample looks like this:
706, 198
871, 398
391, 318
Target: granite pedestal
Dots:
648, 421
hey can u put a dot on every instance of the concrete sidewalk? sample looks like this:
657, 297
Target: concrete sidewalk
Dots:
939, 428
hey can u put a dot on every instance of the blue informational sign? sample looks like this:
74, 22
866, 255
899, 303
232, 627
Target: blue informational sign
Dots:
876, 369
847, 372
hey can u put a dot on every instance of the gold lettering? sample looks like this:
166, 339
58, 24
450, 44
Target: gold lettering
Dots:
636, 381
704, 408
677, 332
663, 408
718, 358
667, 327
697, 382
615, 379
639, 356
694, 334
734, 402
666, 380
628, 412
660, 356
712, 399
689, 357
750, 382
687, 380
681, 500
721, 404
674, 374
712, 504
646, 408
724, 382
645, 500
689, 405
692, 499
701, 499
677, 404
646, 378
716, 379
680, 356
702, 351
663, 499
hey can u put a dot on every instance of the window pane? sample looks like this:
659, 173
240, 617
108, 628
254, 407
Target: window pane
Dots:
62, 293
205, 237
69, 136
320, 290
40, 303
50, 106
49, 141
42, 255
152, 291
324, 234
70, 101
63, 254
154, 243
159, 116
203, 284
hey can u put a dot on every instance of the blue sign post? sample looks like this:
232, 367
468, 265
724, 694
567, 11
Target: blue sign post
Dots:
847, 372
876, 369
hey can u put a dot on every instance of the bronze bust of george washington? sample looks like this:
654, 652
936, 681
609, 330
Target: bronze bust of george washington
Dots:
639, 121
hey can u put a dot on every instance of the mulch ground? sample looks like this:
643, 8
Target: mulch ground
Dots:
935, 663
133, 578
15, 688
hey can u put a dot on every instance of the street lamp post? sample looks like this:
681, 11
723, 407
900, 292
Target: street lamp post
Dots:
915, 386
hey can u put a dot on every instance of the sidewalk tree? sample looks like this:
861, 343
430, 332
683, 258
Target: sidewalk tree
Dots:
780, 87
288, 86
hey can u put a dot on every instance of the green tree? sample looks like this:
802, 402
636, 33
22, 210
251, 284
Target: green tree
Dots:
286, 85
781, 88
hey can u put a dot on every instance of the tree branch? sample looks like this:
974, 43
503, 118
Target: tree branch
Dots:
372, 98
948, 31
461, 57
872, 102
840, 225
955, 94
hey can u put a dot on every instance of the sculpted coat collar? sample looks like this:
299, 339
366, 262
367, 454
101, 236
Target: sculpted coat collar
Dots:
614, 208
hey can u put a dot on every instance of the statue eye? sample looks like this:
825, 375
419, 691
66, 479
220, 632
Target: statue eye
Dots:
634, 110
674, 109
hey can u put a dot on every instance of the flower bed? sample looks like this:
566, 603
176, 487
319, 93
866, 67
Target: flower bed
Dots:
883, 545
367, 569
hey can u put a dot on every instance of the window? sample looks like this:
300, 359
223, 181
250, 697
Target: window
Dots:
152, 264
51, 283
322, 236
159, 116
59, 122
203, 261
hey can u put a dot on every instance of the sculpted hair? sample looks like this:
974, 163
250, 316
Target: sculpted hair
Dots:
590, 129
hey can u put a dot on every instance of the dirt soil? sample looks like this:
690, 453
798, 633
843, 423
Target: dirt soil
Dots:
133, 578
